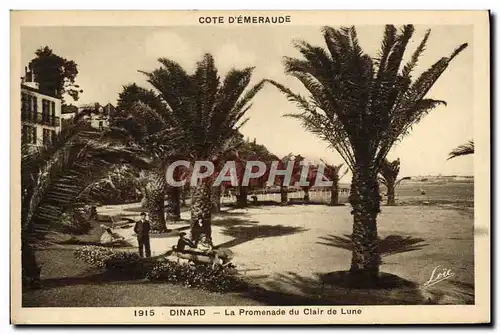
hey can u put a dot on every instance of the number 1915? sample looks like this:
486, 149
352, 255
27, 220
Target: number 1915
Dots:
144, 313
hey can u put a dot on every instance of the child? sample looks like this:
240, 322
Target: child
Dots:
203, 245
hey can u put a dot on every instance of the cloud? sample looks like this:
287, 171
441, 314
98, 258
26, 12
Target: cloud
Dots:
229, 56
169, 45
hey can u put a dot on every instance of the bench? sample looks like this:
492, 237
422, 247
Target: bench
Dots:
217, 257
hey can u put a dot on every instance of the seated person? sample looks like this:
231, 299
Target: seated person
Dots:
185, 245
109, 236
183, 242
203, 245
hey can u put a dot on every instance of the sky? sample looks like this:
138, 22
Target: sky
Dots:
110, 57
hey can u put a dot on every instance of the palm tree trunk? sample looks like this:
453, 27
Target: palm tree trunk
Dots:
201, 209
391, 193
184, 194
144, 200
173, 203
306, 194
216, 198
30, 269
334, 197
284, 195
242, 197
365, 201
155, 200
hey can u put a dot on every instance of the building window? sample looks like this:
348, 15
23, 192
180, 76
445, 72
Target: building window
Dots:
24, 107
34, 109
46, 136
53, 113
24, 134
53, 135
29, 134
45, 111
101, 125
28, 107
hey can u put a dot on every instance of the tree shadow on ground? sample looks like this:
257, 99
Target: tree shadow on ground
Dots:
390, 245
91, 277
242, 230
170, 233
78, 242
139, 209
227, 222
300, 201
333, 289
253, 205
229, 213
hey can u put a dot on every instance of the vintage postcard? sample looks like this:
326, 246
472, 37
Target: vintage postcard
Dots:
250, 167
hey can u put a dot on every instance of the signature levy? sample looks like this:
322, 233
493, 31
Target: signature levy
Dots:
439, 274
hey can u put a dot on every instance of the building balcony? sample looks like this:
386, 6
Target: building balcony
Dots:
39, 118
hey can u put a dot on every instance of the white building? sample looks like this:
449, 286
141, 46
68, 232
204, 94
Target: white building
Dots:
97, 115
40, 114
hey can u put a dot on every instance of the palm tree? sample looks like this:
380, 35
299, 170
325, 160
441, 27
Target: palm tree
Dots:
296, 169
362, 106
389, 172
332, 173
229, 153
60, 177
312, 172
250, 151
206, 112
464, 149
143, 122
122, 182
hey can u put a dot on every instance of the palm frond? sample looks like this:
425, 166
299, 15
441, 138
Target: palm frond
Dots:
361, 106
204, 111
402, 179
57, 177
465, 149
389, 170
408, 68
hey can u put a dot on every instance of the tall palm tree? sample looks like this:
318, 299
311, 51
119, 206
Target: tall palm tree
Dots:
312, 173
250, 151
389, 172
332, 173
63, 176
296, 161
143, 122
464, 149
362, 106
205, 111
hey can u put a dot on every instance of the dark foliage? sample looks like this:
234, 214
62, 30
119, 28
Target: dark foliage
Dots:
126, 265
218, 279
54, 74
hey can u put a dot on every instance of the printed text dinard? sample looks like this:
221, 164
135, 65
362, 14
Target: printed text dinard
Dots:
245, 19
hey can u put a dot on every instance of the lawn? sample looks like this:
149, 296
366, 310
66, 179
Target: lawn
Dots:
285, 250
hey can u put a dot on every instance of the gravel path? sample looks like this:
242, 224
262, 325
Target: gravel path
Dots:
283, 248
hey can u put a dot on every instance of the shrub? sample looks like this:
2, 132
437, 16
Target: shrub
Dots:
130, 265
218, 279
78, 220
127, 265
94, 255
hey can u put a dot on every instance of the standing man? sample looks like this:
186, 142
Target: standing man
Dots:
142, 228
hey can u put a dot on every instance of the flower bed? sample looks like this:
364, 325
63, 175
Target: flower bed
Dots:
130, 265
